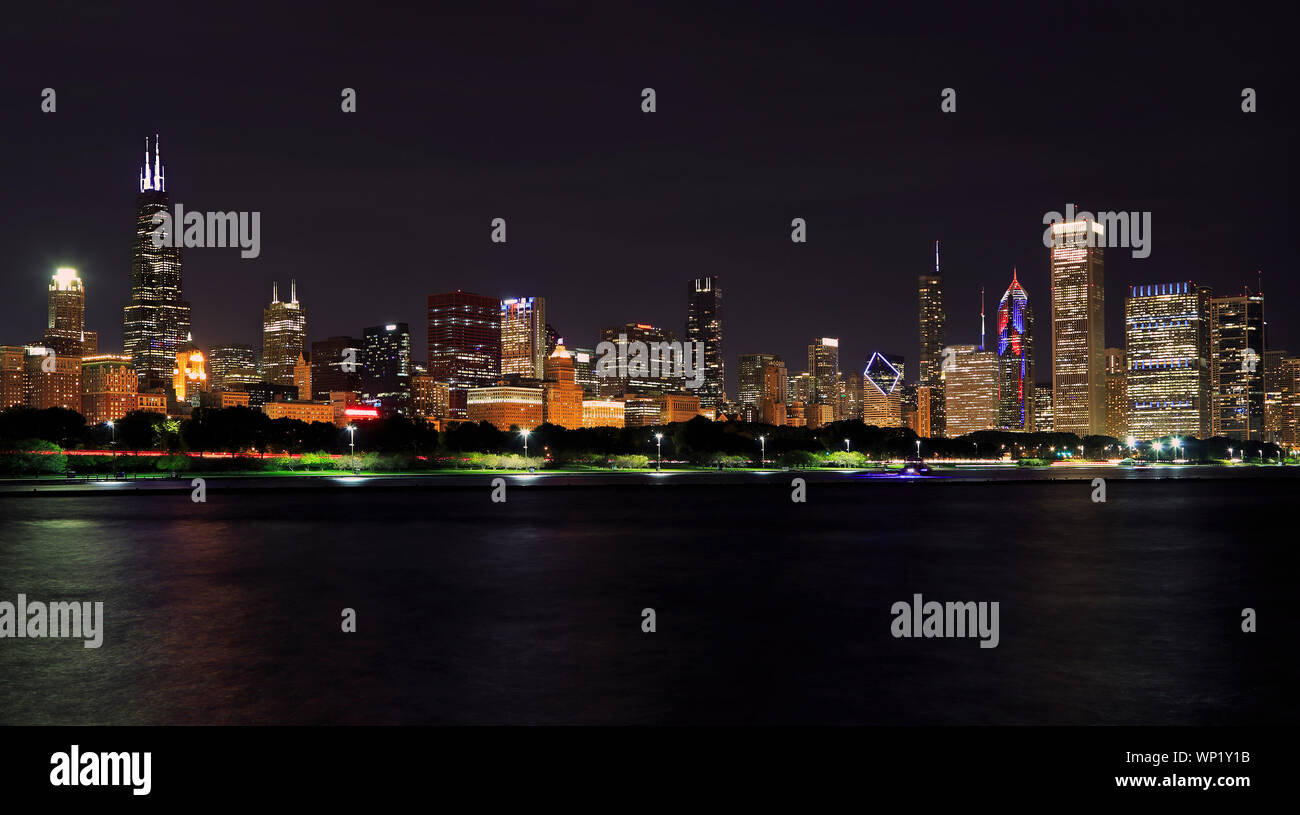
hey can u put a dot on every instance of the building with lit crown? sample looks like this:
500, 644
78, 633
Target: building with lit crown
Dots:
1015, 359
1078, 327
1167, 380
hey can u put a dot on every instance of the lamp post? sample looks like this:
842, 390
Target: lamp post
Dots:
659, 455
918, 448
352, 442
525, 433
762, 451
1178, 448
847, 448
1156, 447
113, 445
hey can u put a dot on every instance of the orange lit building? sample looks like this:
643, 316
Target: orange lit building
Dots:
190, 376
562, 403
602, 413
430, 399
152, 401
302, 378
12, 368
677, 407
219, 400
506, 405
302, 410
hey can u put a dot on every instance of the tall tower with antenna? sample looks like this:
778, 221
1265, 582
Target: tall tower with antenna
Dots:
157, 320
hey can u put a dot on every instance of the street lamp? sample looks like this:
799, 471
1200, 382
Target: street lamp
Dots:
113, 444
1229, 455
846, 446
659, 456
762, 451
918, 448
352, 441
1156, 447
1178, 447
525, 433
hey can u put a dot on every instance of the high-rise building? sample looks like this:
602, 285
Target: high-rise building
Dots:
1167, 380
1116, 393
933, 338
464, 343
851, 402
108, 387
971, 385
933, 323
51, 379
750, 372
657, 375
523, 336
302, 378
1015, 359
157, 321
386, 360
430, 399
1274, 394
1237, 365
336, 365
1286, 379
562, 399
1043, 419
1078, 327
65, 331
704, 325
584, 369
823, 370
882, 391
231, 367
284, 336
189, 377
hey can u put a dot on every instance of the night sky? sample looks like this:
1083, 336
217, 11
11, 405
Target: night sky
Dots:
766, 114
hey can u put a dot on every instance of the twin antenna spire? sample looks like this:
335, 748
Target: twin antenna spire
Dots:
152, 181
293, 291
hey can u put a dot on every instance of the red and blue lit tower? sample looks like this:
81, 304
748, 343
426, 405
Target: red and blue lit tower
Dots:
1015, 359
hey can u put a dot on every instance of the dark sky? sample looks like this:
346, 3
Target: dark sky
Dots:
764, 114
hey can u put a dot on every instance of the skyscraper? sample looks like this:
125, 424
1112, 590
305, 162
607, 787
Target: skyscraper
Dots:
336, 366
882, 379
933, 337
232, 366
824, 370
643, 379
971, 384
1168, 377
1116, 393
156, 323
1015, 359
704, 325
65, 331
1078, 328
386, 361
464, 343
523, 336
750, 372
284, 336
1237, 365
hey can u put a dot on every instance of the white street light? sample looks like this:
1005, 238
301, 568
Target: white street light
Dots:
762, 448
525, 435
659, 456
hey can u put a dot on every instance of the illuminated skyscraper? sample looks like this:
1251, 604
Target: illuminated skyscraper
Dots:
1015, 359
284, 336
1078, 328
1116, 393
750, 372
644, 379
523, 336
823, 370
1168, 377
108, 387
882, 379
971, 384
464, 343
1237, 364
933, 337
704, 325
156, 322
231, 367
65, 331
386, 361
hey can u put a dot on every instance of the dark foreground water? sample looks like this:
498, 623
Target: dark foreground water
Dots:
767, 611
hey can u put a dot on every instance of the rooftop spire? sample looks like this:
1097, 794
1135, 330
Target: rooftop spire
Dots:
293, 290
936, 257
275, 291
151, 178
